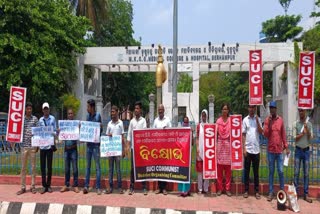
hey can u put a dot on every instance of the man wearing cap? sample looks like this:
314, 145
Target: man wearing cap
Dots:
275, 131
251, 128
46, 152
302, 132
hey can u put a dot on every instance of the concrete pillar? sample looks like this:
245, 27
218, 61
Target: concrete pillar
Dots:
99, 105
151, 109
211, 108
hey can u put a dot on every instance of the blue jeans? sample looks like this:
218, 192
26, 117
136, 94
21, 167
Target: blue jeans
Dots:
71, 157
272, 158
93, 150
304, 157
112, 161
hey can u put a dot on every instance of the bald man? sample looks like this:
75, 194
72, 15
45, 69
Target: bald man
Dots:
159, 123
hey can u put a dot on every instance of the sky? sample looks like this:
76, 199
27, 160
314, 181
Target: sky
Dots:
217, 21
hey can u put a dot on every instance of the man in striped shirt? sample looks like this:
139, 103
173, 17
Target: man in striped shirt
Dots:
28, 152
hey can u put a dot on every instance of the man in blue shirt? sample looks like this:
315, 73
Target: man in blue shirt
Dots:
93, 149
70, 157
46, 152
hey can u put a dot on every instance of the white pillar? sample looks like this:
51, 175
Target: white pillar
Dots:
151, 109
211, 108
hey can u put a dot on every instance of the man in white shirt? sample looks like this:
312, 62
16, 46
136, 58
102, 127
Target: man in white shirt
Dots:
159, 123
137, 122
251, 128
115, 127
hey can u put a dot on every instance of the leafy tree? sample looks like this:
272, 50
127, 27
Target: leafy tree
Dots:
123, 89
95, 10
311, 42
184, 83
39, 42
285, 5
316, 14
282, 28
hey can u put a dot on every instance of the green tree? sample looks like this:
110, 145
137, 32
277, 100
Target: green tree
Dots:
316, 14
311, 42
123, 89
95, 10
282, 28
184, 83
39, 42
285, 5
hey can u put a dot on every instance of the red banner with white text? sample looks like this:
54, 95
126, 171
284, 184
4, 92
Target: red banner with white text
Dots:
306, 80
255, 77
16, 114
236, 142
162, 154
209, 151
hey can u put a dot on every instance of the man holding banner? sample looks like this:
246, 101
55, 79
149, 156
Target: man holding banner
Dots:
46, 152
137, 122
70, 151
251, 128
275, 131
28, 152
159, 123
93, 149
115, 128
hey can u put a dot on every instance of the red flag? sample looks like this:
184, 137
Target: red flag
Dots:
16, 114
255, 78
236, 142
306, 80
209, 152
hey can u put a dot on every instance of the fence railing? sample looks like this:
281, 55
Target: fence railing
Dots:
10, 161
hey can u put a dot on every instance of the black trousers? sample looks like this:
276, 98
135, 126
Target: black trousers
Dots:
46, 163
144, 184
255, 160
162, 185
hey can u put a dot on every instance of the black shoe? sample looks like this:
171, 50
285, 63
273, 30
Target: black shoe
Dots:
131, 191
108, 191
307, 199
245, 195
145, 191
43, 190
270, 197
20, 192
85, 190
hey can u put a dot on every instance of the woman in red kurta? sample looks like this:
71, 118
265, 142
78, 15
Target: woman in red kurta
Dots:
224, 150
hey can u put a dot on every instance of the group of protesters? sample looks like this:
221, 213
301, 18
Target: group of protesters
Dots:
273, 129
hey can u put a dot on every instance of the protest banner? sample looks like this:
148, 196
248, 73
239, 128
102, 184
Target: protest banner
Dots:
69, 129
306, 80
16, 114
209, 151
255, 77
236, 142
111, 146
90, 132
42, 136
162, 154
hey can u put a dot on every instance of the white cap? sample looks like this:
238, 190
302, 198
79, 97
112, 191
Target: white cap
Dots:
45, 105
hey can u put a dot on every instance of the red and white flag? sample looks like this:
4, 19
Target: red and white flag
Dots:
236, 142
209, 152
16, 114
255, 78
306, 80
